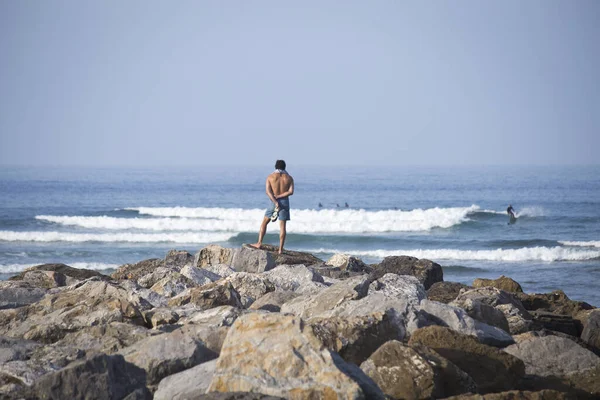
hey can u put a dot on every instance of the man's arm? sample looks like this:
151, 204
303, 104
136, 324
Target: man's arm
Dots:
289, 192
269, 191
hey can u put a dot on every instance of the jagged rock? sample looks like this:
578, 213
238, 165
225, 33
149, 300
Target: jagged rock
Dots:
100, 377
166, 354
209, 296
356, 338
552, 356
79, 274
434, 313
223, 270
445, 292
155, 299
177, 259
172, 285
404, 372
503, 283
236, 396
137, 270
346, 262
591, 331
587, 381
290, 257
200, 276
213, 254
517, 322
493, 297
216, 316
12, 349
275, 354
87, 303
492, 369
328, 299
556, 302
427, 272
273, 301
212, 337
148, 280
335, 272
483, 313
250, 286
14, 294
47, 279
249, 259
295, 278
404, 286
516, 395
189, 384
160, 316
556, 322
546, 332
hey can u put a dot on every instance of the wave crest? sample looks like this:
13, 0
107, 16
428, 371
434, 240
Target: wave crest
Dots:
192, 238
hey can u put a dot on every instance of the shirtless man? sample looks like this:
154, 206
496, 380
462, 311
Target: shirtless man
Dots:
279, 186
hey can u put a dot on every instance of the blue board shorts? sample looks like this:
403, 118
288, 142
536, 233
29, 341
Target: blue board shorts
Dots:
284, 209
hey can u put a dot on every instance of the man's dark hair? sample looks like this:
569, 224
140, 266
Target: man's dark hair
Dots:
280, 164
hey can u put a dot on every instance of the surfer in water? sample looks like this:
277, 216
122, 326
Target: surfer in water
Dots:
511, 211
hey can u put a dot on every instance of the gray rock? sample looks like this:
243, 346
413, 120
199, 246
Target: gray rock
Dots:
100, 377
148, 280
160, 316
47, 279
137, 270
79, 274
12, 349
445, 292
209, 296
173, 285
177, 259
216, 316
426, 271
155, 299
188, 384
249, 259
222, 270
346, 262
200, 276
295, 278
212, 337
166, 354
455, 318
273, 301
403, 286
483, 313
517, 322
555, 322
14, 294
249, 286
493, 297
236, 396
591, 331
552, 356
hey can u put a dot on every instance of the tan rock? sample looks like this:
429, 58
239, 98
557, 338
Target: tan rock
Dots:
213, 254
275, 354
503, 283
209, 296
516, 395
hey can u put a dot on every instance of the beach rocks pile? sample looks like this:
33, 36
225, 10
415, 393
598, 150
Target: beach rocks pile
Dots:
252, 324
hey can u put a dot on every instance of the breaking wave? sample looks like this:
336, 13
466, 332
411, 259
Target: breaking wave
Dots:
546, 254
187, 237
592, 243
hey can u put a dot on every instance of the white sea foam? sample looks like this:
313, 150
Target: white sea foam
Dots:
188, 237
593, 243
10, 268
304, 221
546, 254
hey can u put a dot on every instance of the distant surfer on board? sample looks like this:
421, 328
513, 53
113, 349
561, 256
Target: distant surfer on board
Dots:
279, 186
511, 213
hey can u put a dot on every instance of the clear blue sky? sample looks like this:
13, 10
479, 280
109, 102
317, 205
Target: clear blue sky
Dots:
328, 83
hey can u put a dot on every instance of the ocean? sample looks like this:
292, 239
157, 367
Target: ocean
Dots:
101, 218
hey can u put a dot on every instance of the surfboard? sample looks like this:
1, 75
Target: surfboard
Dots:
512, 219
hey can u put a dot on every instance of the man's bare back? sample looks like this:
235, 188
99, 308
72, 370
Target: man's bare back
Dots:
280, 185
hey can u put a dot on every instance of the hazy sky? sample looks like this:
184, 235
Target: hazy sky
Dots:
313, 82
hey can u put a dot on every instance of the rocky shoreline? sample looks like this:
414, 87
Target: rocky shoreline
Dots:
251, 324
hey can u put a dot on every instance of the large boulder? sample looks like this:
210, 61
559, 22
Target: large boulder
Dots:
137, 270
426, 271
156, 275
250, 286
503, 283
200, 276
493, 297
79, 274
100, 377
188, 384
212, 255
166, 354
217, 316
250, 259
445, 292
273, 301
296, 278
556, 322
483, 313
492, 369
173, 285
47, 279
516, 395
591, 331
346, 262
290, 257
356, 338
275, 354
552, 356
14, 294
87, 303
518, 322
208, 296
556, 302
434, 313
160, 316
404, 372
177, 259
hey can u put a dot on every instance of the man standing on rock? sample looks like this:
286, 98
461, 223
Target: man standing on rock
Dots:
279, 186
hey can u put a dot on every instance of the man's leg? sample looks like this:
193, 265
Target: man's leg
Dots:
261, 232
281, 235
